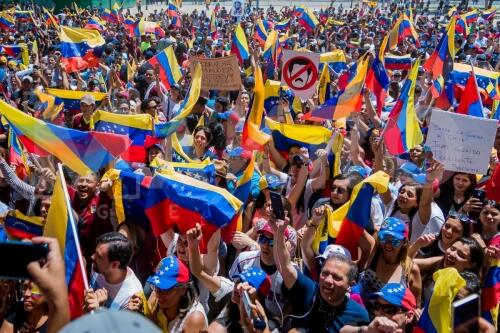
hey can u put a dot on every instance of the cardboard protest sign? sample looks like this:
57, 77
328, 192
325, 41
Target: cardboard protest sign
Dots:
462, 143
219, 73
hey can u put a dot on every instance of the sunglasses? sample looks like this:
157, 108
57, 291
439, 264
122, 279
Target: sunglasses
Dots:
339, 190
264, 240
387, 308
395, 242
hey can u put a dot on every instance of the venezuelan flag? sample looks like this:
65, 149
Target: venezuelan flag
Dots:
71, 98
436, 316
260, 33
490, 296
130, 190
20, 226
440, 63
17, 157
50, 19
402, 28
470, 103
239, 45
308, 20
163, 130
115, 14
12, 50
203, 171
181, 201
83, 152
95, 23
50, 105
311, 137
283, 24
243, 186
272, 48
253, 138
487, 81
393, 62
106, 16
403, 130
333, 59
7, 22
137, 127
358, 215
347, 100
328, 229
377, 80
461, 26
324, 91
80, 48
61, 225
471, 17
23, 15
489, 14
272, 96
169, 68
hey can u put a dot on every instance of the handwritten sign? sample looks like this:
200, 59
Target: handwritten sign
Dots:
462, 143
219, 73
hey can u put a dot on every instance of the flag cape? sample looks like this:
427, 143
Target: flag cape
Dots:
436, 316
20, 226
72, 98
170, 72
80, 48
59, 226
137, 127
358, 215
402, 131
83, 152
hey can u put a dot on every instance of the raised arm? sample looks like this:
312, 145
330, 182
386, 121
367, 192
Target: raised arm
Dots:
307, 238
435, 171
281, 255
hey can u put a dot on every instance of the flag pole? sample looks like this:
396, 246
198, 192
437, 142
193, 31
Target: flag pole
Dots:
73, 226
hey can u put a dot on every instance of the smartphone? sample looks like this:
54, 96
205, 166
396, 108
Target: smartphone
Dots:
465, 314
479, 194
15, 257
257, 322
277, 205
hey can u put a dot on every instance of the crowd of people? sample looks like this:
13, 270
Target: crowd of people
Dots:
277, 272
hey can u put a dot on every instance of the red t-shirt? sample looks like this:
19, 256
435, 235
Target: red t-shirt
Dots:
80, 124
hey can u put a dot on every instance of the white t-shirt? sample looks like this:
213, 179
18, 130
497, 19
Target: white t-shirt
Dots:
118, 294
249, 259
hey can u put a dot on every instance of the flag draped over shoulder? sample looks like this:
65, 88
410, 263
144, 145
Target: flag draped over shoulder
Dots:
436, 316
83, 152
181, 201
80, 48
358, 214
403, 131
170, 72
59, 225
253, 138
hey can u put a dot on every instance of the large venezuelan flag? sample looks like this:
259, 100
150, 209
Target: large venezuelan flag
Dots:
137, 127
240, 45
436, 316
484, 78
308, 20
203, 171
402, 131
20, 226
358, 215
402, 28
181, 201
80, 48
12, 50
253, 138
72, 98
170, 72
61, 225
83, 152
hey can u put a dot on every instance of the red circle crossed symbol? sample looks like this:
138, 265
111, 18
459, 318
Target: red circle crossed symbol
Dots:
290, 81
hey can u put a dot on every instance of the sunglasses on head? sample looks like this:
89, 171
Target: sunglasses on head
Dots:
460, 217
265, 240
387, 308
394, 242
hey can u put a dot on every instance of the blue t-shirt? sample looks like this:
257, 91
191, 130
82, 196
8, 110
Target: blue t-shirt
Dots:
317, 315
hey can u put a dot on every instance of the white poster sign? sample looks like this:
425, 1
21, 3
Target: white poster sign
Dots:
300, 72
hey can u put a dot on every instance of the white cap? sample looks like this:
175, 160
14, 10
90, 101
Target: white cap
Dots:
333, 248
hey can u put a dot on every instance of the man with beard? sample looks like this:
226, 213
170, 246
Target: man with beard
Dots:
323, 306
112, 282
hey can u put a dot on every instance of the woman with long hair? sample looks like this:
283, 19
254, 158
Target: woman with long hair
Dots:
455, 192
390, 262
487, 230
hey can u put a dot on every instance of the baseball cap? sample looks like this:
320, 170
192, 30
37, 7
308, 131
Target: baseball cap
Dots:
398, 295
414, 172
111, 322
240, 152
267, 228
334, 248
29, 78
257, 278
270, 181
169, 273
359, 170
394, 227
88, 99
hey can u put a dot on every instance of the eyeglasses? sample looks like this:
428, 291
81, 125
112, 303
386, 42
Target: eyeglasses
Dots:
394, 242
387, 308
339, 190
265, 240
